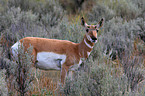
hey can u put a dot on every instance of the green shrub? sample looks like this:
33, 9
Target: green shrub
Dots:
141, 23
18, 72
100, 81
118, 36
71, 31
123, 8
3, 84
100, 11
7, 65
17, 24
32, 18
23, 74
140, 4
132, 66
3, 6
68, 31
49, 11
74, 6
126, 9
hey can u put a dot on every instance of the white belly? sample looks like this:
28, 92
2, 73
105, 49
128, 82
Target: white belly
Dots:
50, 60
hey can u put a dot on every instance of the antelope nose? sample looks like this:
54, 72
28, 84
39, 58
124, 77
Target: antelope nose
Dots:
94, 38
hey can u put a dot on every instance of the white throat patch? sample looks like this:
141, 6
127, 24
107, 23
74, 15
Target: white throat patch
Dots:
88, 44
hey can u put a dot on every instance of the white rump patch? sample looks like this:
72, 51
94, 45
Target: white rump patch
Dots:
50, 60
14, 50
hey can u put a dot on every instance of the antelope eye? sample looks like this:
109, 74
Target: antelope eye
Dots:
88, 26
87, 30
97, 30
95, 27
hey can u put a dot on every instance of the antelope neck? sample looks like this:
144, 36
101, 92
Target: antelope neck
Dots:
87, 44
85, 47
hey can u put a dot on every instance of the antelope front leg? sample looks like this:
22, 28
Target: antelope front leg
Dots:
64, 71
70, 74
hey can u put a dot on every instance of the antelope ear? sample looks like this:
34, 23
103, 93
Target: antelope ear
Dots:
100, 24
83, 23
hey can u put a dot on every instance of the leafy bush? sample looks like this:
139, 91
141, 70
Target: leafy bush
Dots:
133, 69
126, 9
7, 65
32, 18
49, 11
3, 84
100, 11
71, 31
141, 23
23, 74
17, 24
140, 4
15, 20
103, 79
18, 74
73, 6
119, 36
100, 81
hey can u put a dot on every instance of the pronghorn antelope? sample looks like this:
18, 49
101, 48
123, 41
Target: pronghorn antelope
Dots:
60, 54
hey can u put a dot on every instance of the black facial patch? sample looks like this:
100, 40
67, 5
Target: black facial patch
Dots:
83, 21
87, 30
101, 22
94, 38
102, 19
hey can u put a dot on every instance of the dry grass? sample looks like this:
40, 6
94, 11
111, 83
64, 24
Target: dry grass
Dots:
45, 82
